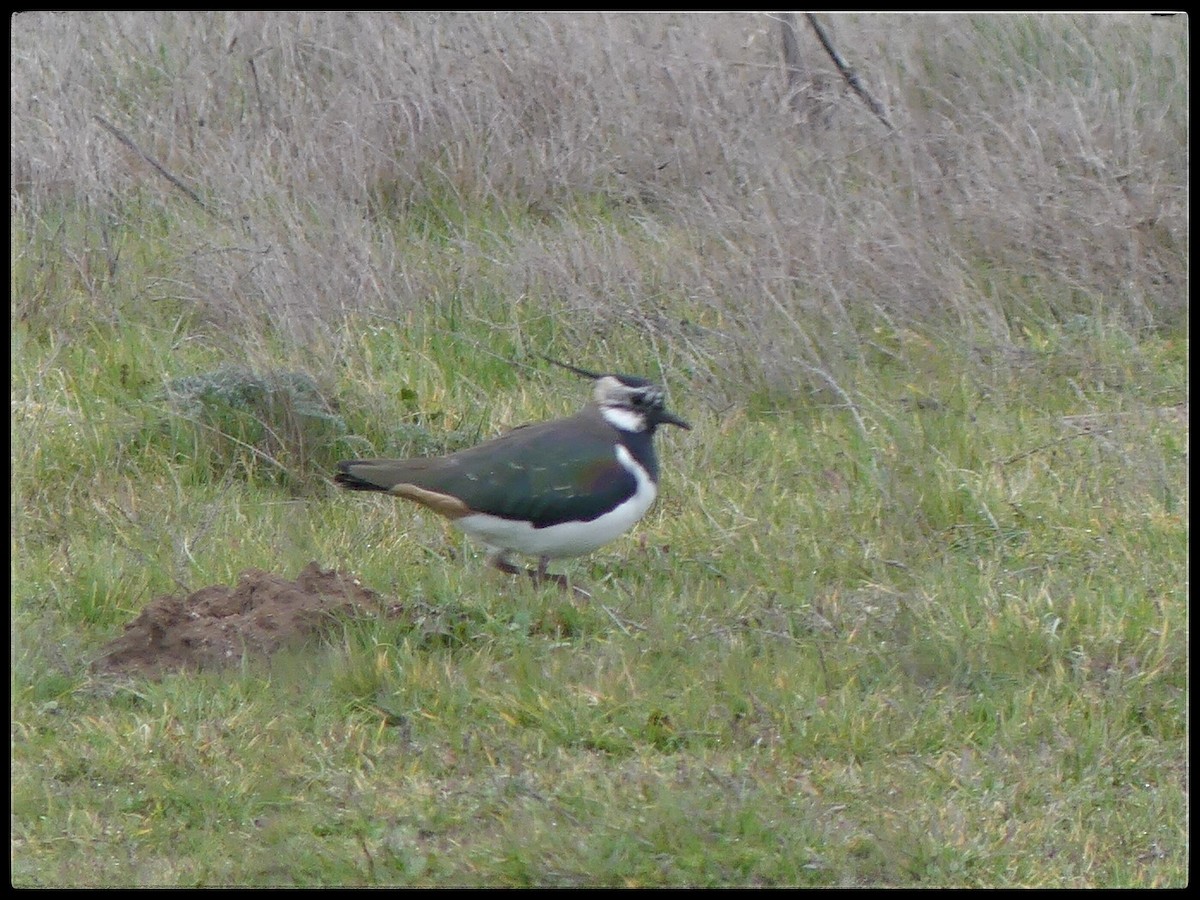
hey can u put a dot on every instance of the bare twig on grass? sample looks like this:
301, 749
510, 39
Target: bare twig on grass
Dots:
791, 59
128, 142
262, 107
849, 74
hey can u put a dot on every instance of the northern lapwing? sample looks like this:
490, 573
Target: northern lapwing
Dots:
551, 490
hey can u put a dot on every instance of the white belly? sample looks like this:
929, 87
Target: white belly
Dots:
569, 538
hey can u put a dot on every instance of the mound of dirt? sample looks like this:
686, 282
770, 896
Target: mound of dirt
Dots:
216, 626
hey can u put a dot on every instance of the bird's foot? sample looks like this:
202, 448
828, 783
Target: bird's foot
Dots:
562, 582
539, 575
499, 561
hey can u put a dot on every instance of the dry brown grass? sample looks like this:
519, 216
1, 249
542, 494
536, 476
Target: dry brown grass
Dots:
378, 162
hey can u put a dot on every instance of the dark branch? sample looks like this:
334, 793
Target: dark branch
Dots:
120, 136
849, 74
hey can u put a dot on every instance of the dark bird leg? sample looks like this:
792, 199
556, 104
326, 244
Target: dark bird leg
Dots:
561, 580
539, 575
500, 561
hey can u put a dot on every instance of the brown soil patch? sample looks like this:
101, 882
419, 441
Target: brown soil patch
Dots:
218, 626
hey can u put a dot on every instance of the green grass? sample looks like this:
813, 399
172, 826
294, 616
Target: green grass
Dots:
948, 650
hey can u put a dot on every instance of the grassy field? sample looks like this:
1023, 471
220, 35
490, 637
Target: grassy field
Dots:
911, 607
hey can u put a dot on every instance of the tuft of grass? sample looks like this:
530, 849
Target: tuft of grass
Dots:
233, 419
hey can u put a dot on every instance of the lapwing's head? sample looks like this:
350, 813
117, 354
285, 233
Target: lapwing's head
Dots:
628, 402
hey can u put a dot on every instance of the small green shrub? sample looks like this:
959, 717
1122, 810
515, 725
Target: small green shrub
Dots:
276, 426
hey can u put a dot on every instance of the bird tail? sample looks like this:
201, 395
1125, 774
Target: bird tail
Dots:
347, 479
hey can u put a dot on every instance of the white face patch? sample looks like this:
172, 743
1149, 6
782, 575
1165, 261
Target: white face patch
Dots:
623, 419
568, 538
